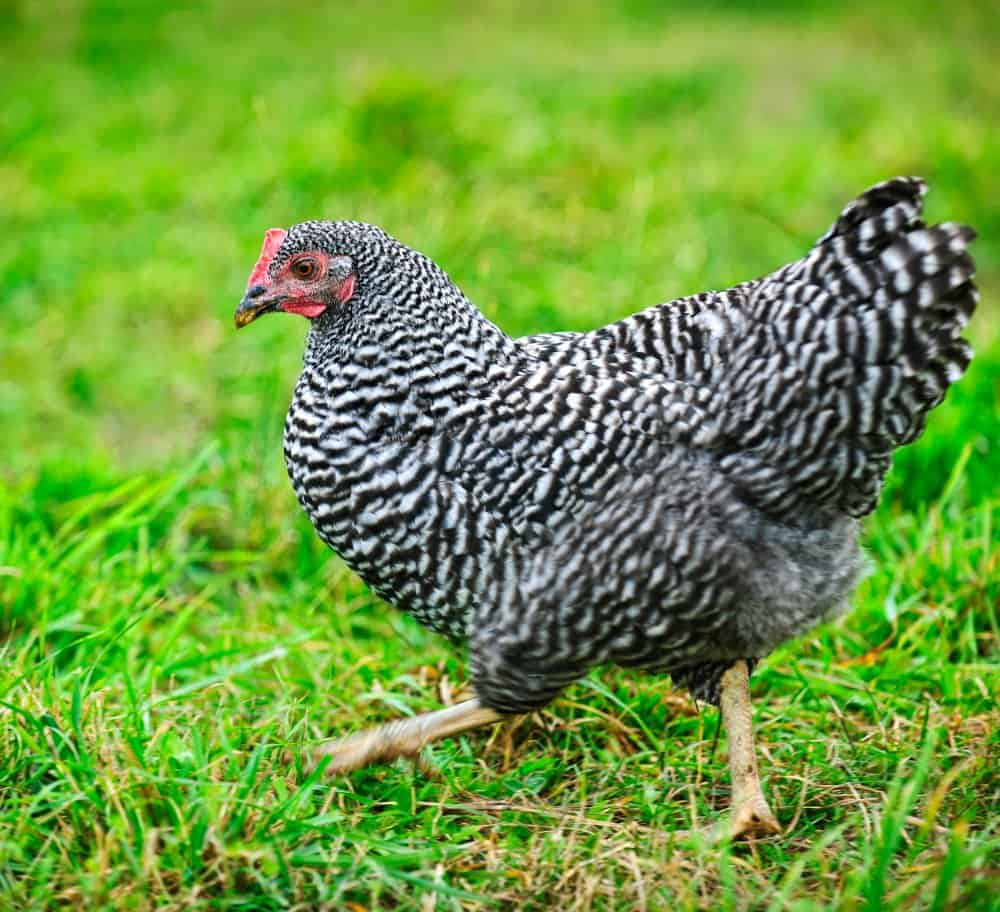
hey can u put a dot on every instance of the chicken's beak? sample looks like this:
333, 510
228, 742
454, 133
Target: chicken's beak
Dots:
256, 303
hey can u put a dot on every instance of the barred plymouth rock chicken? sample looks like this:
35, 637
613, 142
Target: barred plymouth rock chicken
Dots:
678, 492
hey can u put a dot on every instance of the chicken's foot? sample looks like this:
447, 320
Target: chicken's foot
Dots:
404, 737
749, 811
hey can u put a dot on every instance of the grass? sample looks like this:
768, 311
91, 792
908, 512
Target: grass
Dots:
174, 637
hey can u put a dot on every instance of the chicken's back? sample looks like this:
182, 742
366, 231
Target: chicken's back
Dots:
821, 369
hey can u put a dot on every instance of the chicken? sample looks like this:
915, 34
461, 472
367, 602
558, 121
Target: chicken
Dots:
678, 492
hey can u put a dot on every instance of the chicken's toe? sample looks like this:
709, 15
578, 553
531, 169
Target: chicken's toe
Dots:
402, 738
753, 818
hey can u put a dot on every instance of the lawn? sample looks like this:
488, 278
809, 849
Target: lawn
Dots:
173, 636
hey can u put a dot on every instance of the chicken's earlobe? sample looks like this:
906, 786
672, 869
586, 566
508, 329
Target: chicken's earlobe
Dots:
346, 290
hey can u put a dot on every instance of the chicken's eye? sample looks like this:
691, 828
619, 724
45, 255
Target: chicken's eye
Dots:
305, 268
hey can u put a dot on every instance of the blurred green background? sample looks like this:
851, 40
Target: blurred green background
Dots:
568, 163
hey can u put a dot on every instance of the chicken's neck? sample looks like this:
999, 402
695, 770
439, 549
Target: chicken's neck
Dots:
410, 331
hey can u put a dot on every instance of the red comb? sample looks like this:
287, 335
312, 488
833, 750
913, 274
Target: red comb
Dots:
272, 241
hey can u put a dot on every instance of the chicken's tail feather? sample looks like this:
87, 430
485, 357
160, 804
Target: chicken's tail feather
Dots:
861, 340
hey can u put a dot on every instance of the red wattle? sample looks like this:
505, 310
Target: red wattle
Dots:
306, 308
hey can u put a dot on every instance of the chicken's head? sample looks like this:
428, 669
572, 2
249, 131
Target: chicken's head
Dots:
298, 271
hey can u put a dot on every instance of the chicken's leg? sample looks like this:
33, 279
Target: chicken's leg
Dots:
404, 737
749, 812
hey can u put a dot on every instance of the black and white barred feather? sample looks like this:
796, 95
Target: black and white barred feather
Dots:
673, 492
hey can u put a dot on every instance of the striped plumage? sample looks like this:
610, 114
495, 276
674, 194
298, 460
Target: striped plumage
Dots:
674, 492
